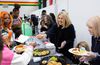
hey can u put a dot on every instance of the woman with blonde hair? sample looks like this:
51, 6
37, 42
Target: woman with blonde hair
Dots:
94, 29
62, 34
83, 44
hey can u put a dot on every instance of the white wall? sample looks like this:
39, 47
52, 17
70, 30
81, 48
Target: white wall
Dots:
23, 10
62, 4
80, 11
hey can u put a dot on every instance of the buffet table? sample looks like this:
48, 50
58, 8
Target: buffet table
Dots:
45, 45
67, 61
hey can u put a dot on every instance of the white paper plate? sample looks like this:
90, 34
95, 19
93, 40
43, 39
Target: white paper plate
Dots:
16, 46
77, 52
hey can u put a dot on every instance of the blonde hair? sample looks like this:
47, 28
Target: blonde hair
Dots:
96, 25
84, 44
66, 17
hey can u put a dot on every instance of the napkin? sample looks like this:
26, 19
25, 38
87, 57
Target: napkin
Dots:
22, 38
36, 59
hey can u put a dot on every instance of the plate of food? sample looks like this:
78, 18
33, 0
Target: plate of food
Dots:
19, 49
77, 51
41, 36
53, 60
40, 52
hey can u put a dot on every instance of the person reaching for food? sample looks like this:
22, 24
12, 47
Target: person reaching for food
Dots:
62, 34
94, 28
11, 58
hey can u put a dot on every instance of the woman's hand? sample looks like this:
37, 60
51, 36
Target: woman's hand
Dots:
6, 40
33, 44
88, 57
62, 45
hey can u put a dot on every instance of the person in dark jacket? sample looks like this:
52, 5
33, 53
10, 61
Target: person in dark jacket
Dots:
34, 20
62, 34
94, 29
53, 17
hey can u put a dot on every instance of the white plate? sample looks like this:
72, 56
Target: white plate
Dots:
78, 52
22, 38
16, 46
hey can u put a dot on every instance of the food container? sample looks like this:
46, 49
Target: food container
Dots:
53, 60
51, 47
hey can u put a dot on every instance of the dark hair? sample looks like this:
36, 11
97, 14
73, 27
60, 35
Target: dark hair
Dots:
11, 13
63, 10
16, 7
34, 19
53, 17
43, 12
1, 42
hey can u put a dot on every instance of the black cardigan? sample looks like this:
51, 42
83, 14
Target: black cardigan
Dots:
58, 35
95, 48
